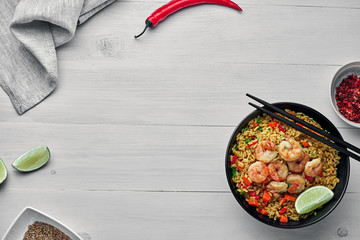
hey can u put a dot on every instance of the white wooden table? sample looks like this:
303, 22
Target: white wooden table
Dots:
138, 128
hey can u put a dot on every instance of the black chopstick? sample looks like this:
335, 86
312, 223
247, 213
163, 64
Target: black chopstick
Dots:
306, 124
307, 132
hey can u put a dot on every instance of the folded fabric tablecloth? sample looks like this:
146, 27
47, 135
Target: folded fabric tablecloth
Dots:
30, 30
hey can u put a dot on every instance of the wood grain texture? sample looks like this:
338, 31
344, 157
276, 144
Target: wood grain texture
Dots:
164, 215
138, 128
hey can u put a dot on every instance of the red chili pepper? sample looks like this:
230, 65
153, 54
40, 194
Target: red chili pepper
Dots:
283, 210
233, 160
176, 5
253, 143
309, 178
281, 128
282, 201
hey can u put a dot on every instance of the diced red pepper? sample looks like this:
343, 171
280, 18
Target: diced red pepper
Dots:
255, 124
252, 193
253, 202
266, 196
246, 181
283, 218
290, 198
305, 143
241, 166
263, 211
273, 124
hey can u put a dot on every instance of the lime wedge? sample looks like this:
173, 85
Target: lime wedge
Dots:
32, 160
3, 171
313, 198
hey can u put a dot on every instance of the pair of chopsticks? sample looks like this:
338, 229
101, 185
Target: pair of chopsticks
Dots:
336, 142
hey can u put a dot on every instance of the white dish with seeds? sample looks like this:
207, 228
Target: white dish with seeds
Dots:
29, 216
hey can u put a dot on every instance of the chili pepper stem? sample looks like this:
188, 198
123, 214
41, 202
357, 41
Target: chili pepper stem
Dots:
148, 24
136, 36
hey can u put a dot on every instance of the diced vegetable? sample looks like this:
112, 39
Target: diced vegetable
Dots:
240, 168
290, 198
253, 202
266, 196
282, 201
293, 187
246, 181
283, 218
234, 173
305, 144
247, 140
273, 124
255, 124
263, 211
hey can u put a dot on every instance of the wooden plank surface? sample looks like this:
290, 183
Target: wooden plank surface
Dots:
138, 128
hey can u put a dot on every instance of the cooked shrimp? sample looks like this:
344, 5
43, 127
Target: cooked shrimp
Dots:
265, 151
258, 172
290, 150
278, 171
313, 168
296, 182
298, 165
277, 188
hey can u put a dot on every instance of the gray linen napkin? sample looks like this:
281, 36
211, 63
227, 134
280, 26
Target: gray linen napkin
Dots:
30, 30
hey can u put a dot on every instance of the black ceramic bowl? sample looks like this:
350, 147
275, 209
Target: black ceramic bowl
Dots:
343, 170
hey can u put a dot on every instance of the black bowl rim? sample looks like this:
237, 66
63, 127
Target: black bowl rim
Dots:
238, 197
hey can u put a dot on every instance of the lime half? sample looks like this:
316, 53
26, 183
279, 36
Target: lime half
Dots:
3, 171
32, 160
313, 198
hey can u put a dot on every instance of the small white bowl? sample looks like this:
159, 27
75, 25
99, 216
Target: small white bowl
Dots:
342, 73
30, 215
